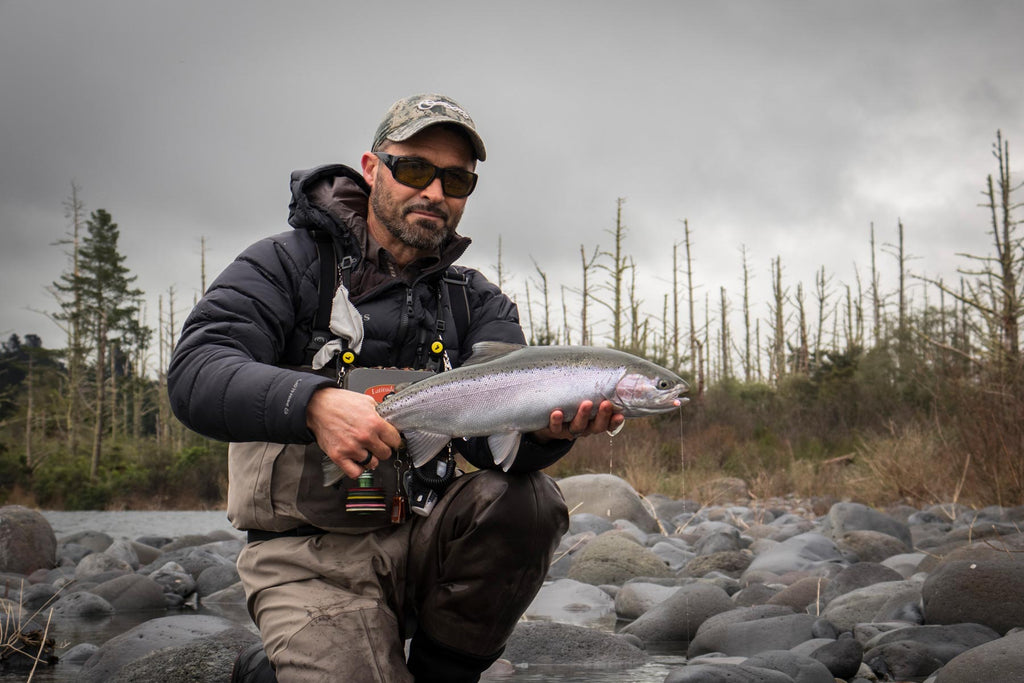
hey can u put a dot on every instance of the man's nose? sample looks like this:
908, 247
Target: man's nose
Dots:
434, 192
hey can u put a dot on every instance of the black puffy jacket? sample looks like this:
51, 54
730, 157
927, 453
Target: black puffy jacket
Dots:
227, 378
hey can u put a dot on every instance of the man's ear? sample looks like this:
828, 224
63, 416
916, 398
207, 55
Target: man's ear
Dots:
369, 163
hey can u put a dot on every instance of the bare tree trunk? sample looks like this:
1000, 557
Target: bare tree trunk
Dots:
587, 264
876, 300
97, 441
724, 305
694, 363
747, 368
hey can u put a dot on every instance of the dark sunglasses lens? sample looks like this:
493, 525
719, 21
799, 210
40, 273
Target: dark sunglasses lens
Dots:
458, 183
413, 173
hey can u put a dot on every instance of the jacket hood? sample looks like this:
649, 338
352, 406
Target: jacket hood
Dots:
328, 198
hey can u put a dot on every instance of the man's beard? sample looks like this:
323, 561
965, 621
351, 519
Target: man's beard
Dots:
420, 234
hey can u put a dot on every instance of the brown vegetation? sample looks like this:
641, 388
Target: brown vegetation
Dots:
866, 395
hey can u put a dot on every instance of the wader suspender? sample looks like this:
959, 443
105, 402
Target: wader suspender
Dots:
330, 272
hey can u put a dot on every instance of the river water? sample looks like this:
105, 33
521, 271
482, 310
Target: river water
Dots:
132, 524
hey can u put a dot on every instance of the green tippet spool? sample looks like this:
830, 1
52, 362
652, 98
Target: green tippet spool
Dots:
365, 498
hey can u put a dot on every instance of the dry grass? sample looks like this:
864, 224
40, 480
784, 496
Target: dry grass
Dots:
14, 641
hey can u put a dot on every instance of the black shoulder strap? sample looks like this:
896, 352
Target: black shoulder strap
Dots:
328, 284
458, 296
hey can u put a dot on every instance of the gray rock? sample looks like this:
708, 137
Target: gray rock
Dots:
607, 496
905, 564
571, 602
755, 594
871, 546
78, 655
73, 552
997, 661
38, 595
100, 563
729, 562
842, 657
798, 667
538, 642
844, 517
82, 605
584, 521
96, 541
802, 552
155, 634
859, 575
234, 594
174, 579
131, 593
123, 549
804, 595
612, 558
718, 542
637, 597
725, 673
27, 542
988, 590
213, 579
753, 636
863, 604
672, 554
678, 617
206, 660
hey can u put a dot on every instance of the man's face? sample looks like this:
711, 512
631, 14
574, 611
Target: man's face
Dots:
421, 219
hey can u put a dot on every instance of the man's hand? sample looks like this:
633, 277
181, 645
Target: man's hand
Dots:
605, 420
348, 429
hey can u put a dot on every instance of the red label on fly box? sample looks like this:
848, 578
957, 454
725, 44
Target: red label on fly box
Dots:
379, 382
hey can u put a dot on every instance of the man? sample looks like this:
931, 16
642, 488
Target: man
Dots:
336, 578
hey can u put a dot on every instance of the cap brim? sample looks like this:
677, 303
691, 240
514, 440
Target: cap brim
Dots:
405, 132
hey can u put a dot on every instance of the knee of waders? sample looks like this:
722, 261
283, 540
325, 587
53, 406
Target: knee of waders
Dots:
253, 666
505, 502
432, 662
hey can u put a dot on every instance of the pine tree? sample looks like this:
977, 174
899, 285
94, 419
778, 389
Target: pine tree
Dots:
106, 307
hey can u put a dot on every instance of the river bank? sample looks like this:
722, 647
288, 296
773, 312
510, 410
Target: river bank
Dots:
642, 590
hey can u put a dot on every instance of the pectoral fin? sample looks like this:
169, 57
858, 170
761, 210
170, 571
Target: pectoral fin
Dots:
504, 448
423, 446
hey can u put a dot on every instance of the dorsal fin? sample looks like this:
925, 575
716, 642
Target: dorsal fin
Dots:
490, 350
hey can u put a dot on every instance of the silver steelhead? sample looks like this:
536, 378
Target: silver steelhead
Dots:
506, 390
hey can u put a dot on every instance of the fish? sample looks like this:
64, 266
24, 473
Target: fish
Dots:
503, 391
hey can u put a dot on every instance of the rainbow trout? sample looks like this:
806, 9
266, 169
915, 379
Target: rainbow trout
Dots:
506, 390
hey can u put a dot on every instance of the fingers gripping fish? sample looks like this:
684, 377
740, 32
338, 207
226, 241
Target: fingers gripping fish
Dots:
506, 390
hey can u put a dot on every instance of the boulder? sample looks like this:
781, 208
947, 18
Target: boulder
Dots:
678, 617
807, 551
725, 672
846, 517
572, 602
27, 541
798, 667
614, 558
863, 604
607, 496
750, 637
155, 634
988, 590
997, 661
637, 597
131, 593
205, 660
547, 643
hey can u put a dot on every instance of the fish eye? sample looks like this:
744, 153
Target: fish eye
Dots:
663, 384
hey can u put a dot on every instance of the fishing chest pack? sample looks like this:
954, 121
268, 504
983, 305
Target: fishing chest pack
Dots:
278, 489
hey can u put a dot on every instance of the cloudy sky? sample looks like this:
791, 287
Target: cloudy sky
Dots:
785, 127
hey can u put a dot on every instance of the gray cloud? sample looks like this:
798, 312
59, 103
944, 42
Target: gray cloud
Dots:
787, 127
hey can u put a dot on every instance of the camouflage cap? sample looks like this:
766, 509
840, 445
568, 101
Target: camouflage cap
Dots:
410, 115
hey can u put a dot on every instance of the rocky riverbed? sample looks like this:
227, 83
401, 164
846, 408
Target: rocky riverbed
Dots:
779, 591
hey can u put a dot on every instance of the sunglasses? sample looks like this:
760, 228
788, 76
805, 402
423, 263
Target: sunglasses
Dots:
413, 172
